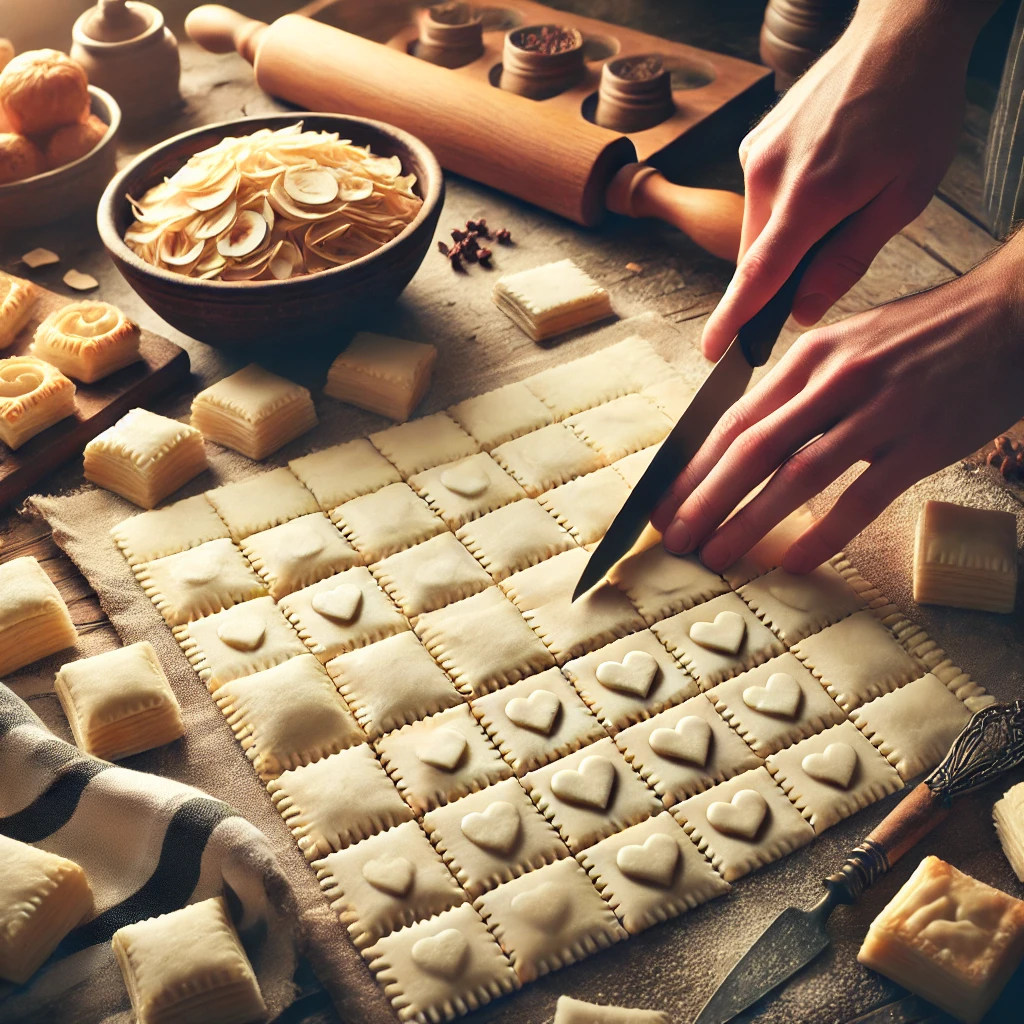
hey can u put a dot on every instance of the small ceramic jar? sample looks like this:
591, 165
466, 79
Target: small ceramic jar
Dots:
541, 60
635, 93
451, 35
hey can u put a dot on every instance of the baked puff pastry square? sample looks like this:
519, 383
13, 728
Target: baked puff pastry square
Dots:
144, 457
17, 300
466, 489
188, 966
343, 472
1008, 816
501, 415
34, 620
386, 521
33, 396
546, 458
621, 427
424, 443
257, 504
87, 340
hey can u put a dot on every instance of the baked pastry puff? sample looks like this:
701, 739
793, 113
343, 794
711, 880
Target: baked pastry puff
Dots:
87, 340
17, 298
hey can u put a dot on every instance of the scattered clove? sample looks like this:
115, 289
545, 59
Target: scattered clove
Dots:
466, 248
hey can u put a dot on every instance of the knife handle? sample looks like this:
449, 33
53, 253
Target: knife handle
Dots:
991, 744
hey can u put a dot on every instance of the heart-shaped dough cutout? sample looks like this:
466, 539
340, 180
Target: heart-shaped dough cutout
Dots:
779, 696
442, 954
741, 817
306, 544
590, 785
392, 875
443, 749
537, 712
834, 765
243, 629
724, 635
654, 862
793, 595
465, 480
635, 674
341, 604
496, 828
545, 906
689, 741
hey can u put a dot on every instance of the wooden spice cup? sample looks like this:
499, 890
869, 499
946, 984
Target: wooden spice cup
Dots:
635, 93
541, 60
451, 35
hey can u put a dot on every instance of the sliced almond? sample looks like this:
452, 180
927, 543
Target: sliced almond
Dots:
218, 197
79, 281
213, 223
40, 258
314, 186
173, 251
244, 236
354, 190
284, 262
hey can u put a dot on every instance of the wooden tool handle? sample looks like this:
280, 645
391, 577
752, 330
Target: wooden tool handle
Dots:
221, 30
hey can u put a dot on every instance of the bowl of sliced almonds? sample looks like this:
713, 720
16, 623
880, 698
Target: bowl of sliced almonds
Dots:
271, 229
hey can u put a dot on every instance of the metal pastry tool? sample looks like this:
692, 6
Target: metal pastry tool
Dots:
990, 745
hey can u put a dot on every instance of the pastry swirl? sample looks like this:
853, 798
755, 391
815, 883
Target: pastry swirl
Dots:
17, 297
87, 340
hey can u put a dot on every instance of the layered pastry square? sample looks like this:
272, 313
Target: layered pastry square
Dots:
17, 300
34, 620
33, 396
1008, 815
87, 340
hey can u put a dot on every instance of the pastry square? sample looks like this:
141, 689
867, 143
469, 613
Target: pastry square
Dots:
629, 680
34, 620
389, 880
549, 919
587, 505
245, 638
386, 521
660, 584
768, 552
431, 575
119, 703
590, 794
546, 458
492, 836
1008, 816
466, 489
287, 716
299, 553
633, 467
343, 472
33, 396
718, 639
501, 415
199, 581
621, 427
392, 683
949, 938
671, 395
551, 299
87, 340
42, 897
743, 824
483, 643
576, 1011
543, 595
188, 965
337, 801
537, 720
342, 613
424, 443
775, 704
441, 758
144, 457
832, 775
857, 660
651, 872
253, 411
261, 502
513, 538
17, 300
685, 750
437, 970
913, 726
166, 531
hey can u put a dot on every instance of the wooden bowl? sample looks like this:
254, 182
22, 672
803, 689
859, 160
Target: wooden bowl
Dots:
54, 194
300, 310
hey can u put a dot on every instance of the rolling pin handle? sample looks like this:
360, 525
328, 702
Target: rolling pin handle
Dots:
221, 30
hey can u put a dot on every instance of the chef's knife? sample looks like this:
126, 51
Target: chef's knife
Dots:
992, 743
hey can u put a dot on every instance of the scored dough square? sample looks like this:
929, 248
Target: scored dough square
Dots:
466, 489
337, 801
501, 415
483, 643
423, 443
392, 683
492, 836
546, 458
17, 300
343, 472
633, 467
261, 502
671, 395
651, 872
530, 731
166, 531
34, 620
587, 505
386, 521
37, 395
389, 880
549, 919
621, 427
754, 832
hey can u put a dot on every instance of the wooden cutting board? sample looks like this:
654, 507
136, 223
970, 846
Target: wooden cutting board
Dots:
162, 366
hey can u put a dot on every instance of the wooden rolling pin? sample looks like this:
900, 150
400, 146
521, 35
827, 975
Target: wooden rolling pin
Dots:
560, 162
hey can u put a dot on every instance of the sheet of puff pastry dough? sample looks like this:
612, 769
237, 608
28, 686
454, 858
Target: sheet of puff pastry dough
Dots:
145, 457
576, 1011
343, 472
438, 969
119, 703
629, 680
501, 415
337, 801
492, 836
633, 467
386, 521
261, 502
685, 750
392, 683
87, 340
621, 427
466, 488
949, 938
537, 720
169, 530
287, 716
743, 824
587, 505
546, 458
42, 898
17, 300
424, 443
651, 872
33, 396
483, 643
34, 620
590, 794
671, 395
549, 919
387, 881
253, 411
188, 966
1008, 816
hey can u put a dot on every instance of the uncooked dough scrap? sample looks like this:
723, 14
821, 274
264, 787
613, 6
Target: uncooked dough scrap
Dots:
587, 505
621, 427
423, 443
546, 458
386, 521
261, 502
166, 531
466, 489
34, 620
501, 415
343, 472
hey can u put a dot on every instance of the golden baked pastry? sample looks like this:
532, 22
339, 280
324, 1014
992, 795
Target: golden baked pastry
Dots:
17, 297
41, 90
87, 340
33, 396
73, 141
20, 158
